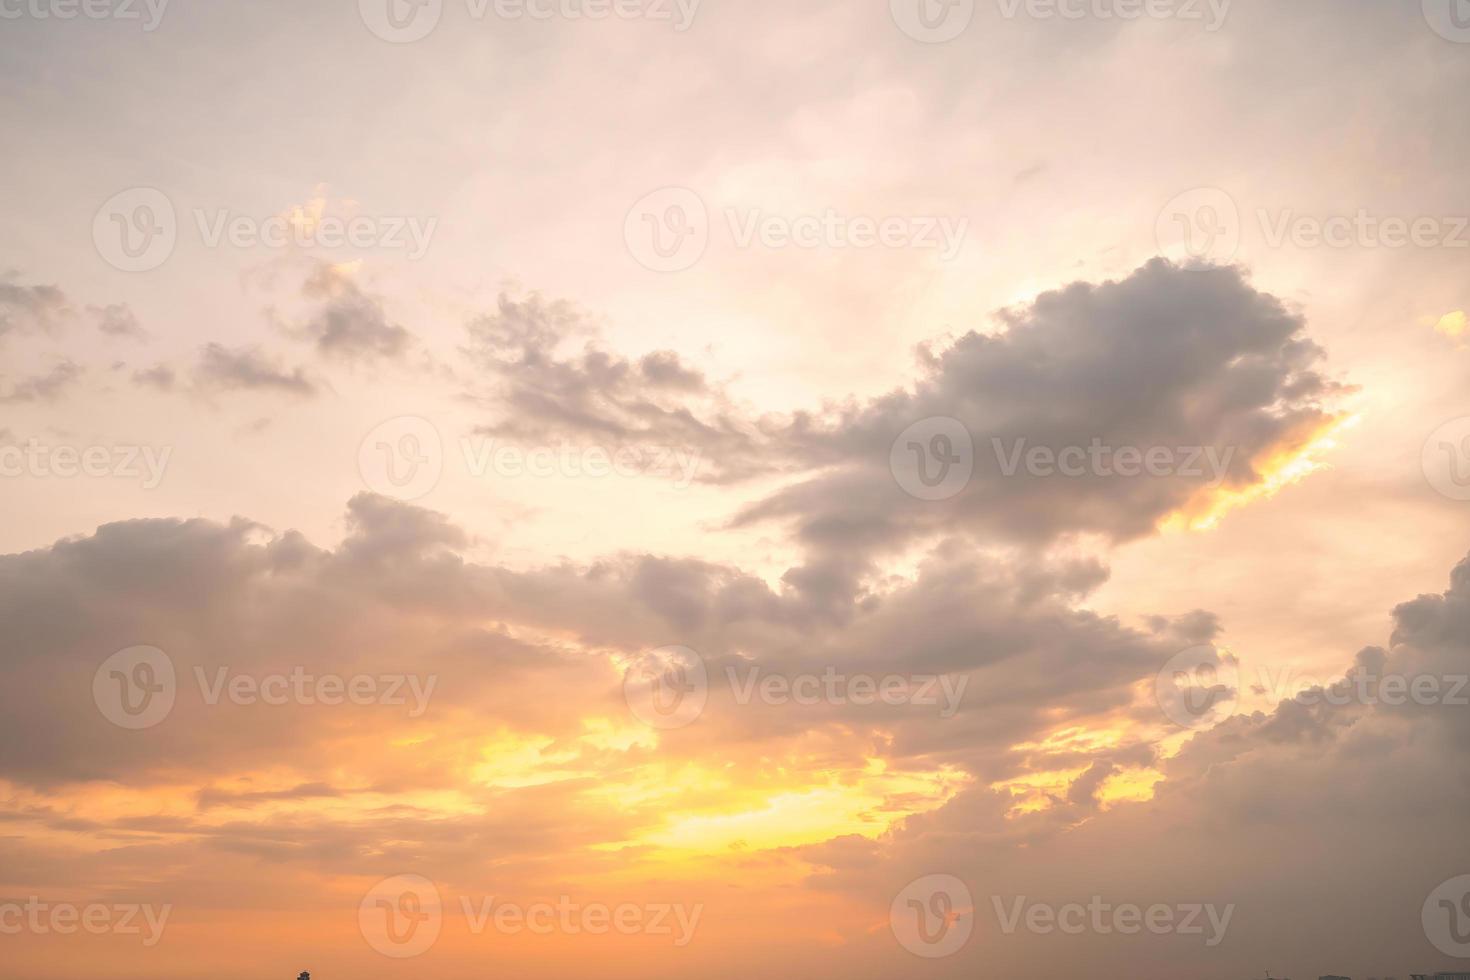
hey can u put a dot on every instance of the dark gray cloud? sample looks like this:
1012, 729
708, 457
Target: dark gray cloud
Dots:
30, 309
1182, 359
1193, 361
1270, 812
249, 369
348, 323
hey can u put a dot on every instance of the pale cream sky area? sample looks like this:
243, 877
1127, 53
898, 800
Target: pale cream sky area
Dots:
505, 347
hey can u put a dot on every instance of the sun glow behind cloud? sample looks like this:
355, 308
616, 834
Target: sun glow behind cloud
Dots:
1285, 466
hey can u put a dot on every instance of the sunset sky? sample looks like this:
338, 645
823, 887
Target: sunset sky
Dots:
580, 457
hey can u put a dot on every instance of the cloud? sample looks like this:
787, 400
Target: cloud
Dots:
118, 320
349, 324
1267, 812
46, 387
1454, 326
248, 369
545, 375
159, 376
1192, 361
30, 309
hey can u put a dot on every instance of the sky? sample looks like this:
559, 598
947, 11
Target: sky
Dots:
663, 488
